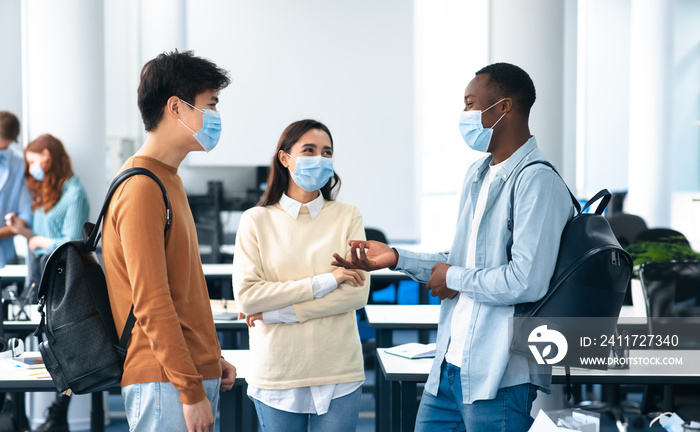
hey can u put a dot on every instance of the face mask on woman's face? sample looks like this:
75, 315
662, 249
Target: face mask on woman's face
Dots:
312, 172
36, 171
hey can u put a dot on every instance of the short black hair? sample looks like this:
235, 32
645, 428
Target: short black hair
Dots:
507, 80
9, 126
180, 74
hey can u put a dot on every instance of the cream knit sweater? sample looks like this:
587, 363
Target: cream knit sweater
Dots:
275, 258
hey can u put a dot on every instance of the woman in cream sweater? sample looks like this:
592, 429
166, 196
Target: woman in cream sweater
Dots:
307, 368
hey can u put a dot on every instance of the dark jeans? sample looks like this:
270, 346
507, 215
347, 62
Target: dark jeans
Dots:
509, 411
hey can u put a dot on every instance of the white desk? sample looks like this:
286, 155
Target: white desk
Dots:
404, 374
236, 411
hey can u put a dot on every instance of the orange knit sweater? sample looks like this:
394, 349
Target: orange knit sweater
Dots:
174, 338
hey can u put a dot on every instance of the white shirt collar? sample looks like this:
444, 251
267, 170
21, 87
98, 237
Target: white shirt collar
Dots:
292, 206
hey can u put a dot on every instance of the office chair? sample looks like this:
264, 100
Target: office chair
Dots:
672, 290
626, 227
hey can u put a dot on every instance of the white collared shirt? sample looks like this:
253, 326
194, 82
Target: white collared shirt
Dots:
292, 206
313, 399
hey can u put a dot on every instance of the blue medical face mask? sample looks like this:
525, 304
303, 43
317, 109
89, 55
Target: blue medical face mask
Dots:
313, 172
473, 131
37, 172
208, 136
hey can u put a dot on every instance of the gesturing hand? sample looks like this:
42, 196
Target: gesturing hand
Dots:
437, 284
367, 255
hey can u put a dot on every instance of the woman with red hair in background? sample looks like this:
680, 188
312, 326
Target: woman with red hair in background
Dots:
60, 208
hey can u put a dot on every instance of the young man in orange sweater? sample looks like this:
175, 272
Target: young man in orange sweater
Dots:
173, 370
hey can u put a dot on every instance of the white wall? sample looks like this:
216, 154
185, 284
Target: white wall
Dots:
347, 64
448, 53
603, 121
11, 48
531, 35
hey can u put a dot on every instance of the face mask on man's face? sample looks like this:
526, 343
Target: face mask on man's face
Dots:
208, 136
473, 132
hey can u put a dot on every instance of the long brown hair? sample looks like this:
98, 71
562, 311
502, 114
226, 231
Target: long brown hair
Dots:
57, 169
278, 179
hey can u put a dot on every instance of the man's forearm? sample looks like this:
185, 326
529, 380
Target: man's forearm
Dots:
6, 232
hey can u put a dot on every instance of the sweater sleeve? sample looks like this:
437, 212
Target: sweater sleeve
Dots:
139, 215
346, 297
253, 293
75, 217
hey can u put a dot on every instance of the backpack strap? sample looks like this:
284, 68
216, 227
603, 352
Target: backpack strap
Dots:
94, 237
520, 307
604, 197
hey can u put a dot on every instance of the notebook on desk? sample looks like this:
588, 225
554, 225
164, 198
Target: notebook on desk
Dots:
413, 350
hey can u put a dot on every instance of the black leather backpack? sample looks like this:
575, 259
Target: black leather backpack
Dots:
585, 294
82, 351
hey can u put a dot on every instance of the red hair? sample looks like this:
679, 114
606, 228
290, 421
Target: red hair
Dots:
57, 169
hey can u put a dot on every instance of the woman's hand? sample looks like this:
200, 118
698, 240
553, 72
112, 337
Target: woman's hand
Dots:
250, 319
352, 276
368, 255
39, 242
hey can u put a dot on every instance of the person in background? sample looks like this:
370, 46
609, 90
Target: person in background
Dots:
476, 383
307, 368
15, 201
61, 209
174, 370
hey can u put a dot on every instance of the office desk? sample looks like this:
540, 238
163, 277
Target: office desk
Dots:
229, 327
404, 374
387, 318
13, 273
236, 411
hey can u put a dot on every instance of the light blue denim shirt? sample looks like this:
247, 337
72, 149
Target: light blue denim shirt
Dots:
14, 197
542, 208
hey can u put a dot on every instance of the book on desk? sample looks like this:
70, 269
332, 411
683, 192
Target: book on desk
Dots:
413, 350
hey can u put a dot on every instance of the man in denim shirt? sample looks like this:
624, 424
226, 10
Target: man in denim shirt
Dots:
476, 383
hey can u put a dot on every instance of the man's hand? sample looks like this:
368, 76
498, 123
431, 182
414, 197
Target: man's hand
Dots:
437, 284
199, 417
228, 375
367, 255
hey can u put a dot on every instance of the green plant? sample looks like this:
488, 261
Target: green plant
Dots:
666, 249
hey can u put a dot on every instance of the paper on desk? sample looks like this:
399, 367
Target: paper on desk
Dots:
544, 424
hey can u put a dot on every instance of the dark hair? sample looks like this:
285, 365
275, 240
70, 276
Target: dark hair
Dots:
58, 169
507, 80
175, 74
9, 126
278, 179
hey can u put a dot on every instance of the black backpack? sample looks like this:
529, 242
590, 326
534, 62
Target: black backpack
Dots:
82, 351
590, 279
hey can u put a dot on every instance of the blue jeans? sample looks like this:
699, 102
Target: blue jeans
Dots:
156, 406
509, 411
341, 417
